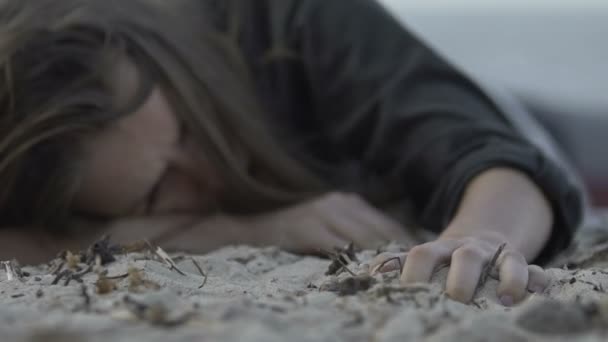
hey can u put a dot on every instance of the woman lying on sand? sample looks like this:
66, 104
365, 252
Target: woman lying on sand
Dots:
202, 123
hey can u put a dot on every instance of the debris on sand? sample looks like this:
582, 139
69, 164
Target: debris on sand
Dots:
149, 295
350, 285
340, 258
13, 270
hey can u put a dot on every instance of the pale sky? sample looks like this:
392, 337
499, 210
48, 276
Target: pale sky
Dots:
555, 48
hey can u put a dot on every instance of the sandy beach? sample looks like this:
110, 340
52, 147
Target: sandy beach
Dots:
138, 293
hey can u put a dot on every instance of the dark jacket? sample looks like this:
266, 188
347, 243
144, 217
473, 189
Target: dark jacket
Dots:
349, 85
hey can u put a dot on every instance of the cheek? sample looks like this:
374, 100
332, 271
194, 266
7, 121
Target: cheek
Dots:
179, 194
112, 187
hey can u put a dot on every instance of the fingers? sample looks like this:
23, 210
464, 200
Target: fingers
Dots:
467, 264
306, 235
325, 240
513, 275
422, 260
341, 216
349, 228
538, 279
465, 270
355, 219
381, 224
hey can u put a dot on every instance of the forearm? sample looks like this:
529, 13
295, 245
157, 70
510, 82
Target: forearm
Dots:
26, 246
504, 204
187, 234
192, 234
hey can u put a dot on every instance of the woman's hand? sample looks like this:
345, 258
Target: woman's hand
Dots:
499, 206
467, 258
332, 220
335, 219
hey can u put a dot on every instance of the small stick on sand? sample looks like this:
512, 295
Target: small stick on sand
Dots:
13, 270
345, 267
488, 268
58, 268
118, 277
60, 276
202, 273
10, 274
165, 257
338, 264
70, 275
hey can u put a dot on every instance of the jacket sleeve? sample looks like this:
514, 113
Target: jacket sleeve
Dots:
387, 100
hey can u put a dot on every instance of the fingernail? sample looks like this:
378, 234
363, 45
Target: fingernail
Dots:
506, 300
382, 268
390, 266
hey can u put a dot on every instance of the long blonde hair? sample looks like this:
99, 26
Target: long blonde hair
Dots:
54, 55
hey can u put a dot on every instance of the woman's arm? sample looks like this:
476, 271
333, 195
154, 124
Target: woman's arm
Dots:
504, 205
499, 206
184, 233
382, 97
502, 214
27, 246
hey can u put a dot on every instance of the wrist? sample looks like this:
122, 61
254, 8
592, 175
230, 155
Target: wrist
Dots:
456, 230
504, 204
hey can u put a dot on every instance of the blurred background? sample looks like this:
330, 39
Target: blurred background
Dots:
552, 54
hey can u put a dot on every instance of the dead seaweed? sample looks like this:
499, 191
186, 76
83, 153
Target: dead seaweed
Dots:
138, 282
340, 257
103, 250
351, 285
73, 266
164, 257
72, 260
104, 286
70, 275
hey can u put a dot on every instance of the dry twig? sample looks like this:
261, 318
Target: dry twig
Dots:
488, 269
13, 271
341, 257
201, 272
165, 258
118, 277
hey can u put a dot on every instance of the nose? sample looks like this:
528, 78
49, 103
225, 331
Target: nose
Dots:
190, 185
177, 194
192, 162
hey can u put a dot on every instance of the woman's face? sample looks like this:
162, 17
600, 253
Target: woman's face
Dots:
145, 164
